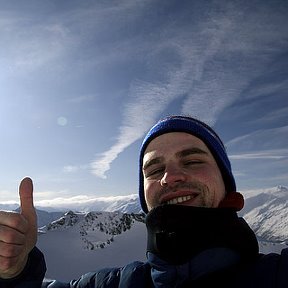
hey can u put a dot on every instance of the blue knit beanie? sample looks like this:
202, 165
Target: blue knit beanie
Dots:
200, 130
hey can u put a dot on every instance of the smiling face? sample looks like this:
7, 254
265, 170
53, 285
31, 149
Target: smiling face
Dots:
178, 168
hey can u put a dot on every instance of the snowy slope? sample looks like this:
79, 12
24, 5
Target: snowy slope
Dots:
267, 213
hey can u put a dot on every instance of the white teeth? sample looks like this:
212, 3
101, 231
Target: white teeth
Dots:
179, 200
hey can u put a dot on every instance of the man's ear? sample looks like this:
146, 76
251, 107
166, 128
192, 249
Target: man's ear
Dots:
233, 200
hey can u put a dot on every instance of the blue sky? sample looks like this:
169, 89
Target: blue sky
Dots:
82, 81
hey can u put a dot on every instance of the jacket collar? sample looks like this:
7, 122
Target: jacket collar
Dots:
178, 233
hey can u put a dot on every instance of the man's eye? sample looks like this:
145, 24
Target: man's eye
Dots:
154, 172
192, 162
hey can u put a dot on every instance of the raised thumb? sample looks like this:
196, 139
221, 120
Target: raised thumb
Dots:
26, 198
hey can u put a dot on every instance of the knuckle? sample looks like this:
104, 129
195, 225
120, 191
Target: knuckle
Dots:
9, 250
17, 220
13, 220
11, 236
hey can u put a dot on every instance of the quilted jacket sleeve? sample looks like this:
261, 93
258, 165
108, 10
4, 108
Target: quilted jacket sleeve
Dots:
130, 276
102, 278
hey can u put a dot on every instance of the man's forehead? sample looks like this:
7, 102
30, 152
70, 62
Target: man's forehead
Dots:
173, 139
178, 143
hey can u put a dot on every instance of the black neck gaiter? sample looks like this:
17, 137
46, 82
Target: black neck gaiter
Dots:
177, 233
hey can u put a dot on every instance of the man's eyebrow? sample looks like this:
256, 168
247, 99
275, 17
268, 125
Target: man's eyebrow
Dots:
180, 154
151, 162
191, 151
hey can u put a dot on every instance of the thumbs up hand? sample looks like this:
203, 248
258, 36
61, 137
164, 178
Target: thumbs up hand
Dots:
18, 233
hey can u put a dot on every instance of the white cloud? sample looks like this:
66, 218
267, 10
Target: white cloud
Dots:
40, 195
269, 154
5, 194
272, 116
74, 168
264, 139
81, 200
268, 88
33, 45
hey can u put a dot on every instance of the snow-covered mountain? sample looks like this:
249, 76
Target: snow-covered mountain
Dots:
266, 211
81, 242
95, 229
44, 217
46, 214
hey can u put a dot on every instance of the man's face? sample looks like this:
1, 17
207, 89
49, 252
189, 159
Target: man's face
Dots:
178, 168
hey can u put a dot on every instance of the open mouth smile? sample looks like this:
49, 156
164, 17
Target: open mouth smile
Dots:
180, 199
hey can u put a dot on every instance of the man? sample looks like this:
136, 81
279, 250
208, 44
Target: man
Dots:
195, 238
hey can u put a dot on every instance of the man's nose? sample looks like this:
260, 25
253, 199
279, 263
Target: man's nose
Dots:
173, 174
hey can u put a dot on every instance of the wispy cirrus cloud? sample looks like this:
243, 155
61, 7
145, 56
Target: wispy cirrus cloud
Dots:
42, 44
261, 140
149, 100
195, 70
277, 154
74, 168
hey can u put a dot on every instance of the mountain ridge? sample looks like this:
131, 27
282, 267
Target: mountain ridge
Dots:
266, 211
267, 214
